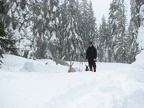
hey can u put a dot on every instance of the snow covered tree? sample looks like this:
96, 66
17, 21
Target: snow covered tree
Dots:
104, 42
19, 24
44, 27
69, 39
118, 21
77, 27
83, 22
132, 35
140, 39
74, 41
87, 23
5, 43
32, 25
134, 25
61, 33
92, 26
135, 20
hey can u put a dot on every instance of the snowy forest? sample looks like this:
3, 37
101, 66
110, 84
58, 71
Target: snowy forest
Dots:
41, 29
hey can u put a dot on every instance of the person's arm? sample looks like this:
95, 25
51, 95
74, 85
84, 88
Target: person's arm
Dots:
87, 54
95, 53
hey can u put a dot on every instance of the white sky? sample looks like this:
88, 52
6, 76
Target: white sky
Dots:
101, 7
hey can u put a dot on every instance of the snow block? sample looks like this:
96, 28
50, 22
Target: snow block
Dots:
29, 66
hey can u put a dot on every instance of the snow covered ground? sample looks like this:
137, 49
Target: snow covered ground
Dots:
43, 84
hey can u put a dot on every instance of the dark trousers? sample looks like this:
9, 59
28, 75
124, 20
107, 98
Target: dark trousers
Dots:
91, 63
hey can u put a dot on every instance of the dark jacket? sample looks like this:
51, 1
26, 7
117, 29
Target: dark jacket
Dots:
91, 53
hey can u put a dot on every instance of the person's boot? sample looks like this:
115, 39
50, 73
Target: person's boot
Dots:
90, 69
94, 69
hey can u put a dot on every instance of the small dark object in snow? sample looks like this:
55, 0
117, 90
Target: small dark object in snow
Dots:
87, 69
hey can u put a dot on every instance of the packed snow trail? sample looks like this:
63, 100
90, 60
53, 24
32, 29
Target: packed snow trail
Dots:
24, 86
74, 90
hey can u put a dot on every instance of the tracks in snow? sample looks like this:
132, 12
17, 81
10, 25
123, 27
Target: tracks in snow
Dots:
95, 93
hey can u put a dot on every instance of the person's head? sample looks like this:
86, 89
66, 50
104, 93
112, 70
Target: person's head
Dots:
90, 44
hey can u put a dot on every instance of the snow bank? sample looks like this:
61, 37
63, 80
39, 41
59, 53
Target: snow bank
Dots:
18, 64
138, 67
26, 83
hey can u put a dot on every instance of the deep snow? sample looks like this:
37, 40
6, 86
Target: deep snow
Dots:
28, 83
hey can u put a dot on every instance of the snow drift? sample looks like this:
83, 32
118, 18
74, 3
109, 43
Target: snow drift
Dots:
28, 83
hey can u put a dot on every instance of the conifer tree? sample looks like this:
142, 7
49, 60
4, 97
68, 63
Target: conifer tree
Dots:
18, 24
83, 22
87, 28
44, 27
104, 41
61, 32
68, 30
92, 26
134, 26
118, 21
32, 24
5, 43
132, 34
87, 23
140, 39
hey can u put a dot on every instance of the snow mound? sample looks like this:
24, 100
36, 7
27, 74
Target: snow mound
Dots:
26, 83
18, 64
29, 66
138, 67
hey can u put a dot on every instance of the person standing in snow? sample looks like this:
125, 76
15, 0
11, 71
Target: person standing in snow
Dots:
91, 55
